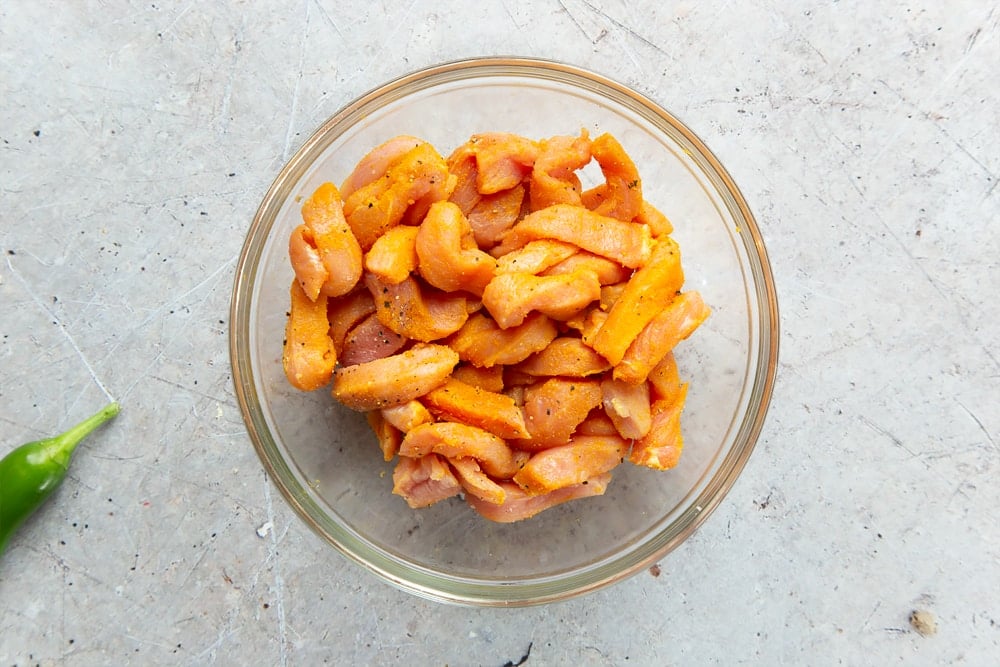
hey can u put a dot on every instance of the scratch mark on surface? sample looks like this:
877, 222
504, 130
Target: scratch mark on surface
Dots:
936, 284
511, 16
19, 425
980, 424
904, 127
627, 29
164, 348
883, 431
972, 39
290, 131
279, 582
329, 19
190, 390
955, 142
62, 329
248, 593
576, 21
177, 18
404, 19
147, 642
222, 267
191, 571
866, 626
227, 94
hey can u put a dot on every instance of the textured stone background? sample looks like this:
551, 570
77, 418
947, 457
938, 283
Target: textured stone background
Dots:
137, 141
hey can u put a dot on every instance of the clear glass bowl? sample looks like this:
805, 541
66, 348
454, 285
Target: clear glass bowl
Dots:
326, 462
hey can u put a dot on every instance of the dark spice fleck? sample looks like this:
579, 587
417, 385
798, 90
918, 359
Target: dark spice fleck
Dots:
524, 658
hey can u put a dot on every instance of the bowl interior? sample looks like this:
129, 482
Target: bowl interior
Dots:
327, 462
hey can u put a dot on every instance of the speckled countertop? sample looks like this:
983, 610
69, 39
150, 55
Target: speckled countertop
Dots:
137, 141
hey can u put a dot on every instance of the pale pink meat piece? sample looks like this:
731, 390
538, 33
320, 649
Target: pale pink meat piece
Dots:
510, 297
482, 342
376, 163
455, 440
628, 407
573, 463
448, 257
424, 481
407, 416
472, 478
368, 341
519, 505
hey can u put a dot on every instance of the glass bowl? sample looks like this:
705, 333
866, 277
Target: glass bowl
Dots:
327, 463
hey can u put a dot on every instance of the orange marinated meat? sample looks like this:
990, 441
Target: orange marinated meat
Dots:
554, 408
519, 505
589, 323
393, 380
494, 214
645, 295
439, 191
492, 411
462, 165
393, 256
488, 378
628, 243
628, 407
308, 357
672, 325
323, 251
374, 165
448, 257
424, 481
621, 196
345, 312
664, 380
483, 343
651, 216
508, 334
567, 356
570, 464
511, 297
515, 381
553, 178
536, 256
407, 416
381, 205
662, 446
503, 160
607, 270
386, 433
306, 262
596, 423
610, 295
370, 340
475, 482
416, 311
455, 440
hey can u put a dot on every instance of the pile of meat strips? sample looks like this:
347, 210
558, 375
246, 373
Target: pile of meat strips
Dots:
508, 333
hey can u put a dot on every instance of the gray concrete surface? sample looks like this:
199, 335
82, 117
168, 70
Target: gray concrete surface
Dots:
137, 140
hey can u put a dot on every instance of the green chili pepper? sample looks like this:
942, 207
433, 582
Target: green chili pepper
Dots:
30, 473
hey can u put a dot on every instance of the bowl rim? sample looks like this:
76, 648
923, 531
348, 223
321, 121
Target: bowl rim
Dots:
539, 590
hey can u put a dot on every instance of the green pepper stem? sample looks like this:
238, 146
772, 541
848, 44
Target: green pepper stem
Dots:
62, 446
